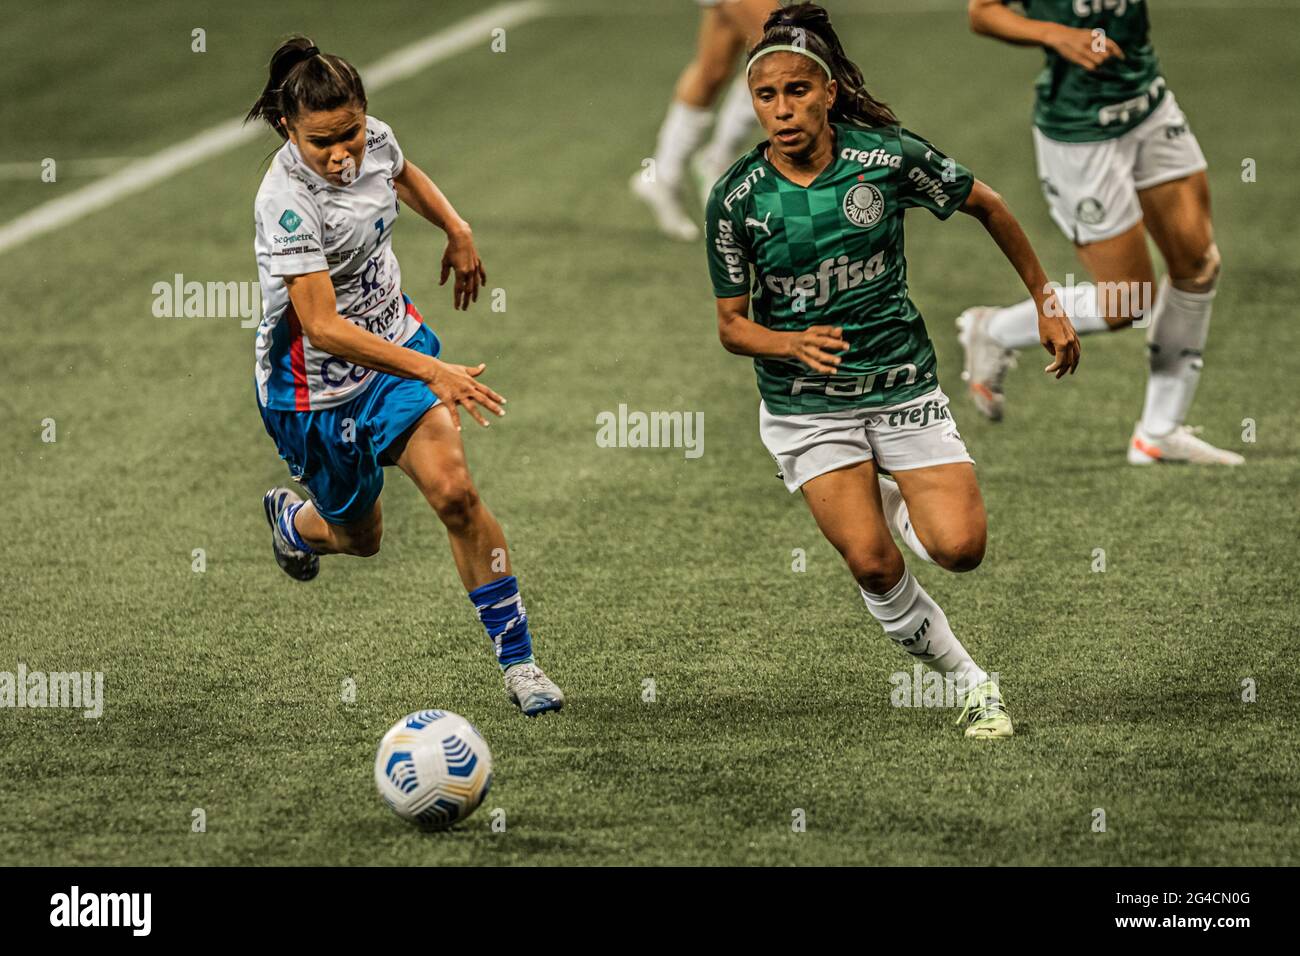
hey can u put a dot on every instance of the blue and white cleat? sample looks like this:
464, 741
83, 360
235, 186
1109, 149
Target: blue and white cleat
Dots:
299, 565
531, 690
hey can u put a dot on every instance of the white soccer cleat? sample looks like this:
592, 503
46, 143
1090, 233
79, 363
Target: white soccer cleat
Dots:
986, 362
1181, 444
666, 203
531, 690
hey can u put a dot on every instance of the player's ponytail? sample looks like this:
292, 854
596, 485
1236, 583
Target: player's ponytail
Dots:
304, 79
808, 26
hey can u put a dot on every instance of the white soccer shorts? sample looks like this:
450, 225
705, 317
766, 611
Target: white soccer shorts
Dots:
1091, 188
915, 434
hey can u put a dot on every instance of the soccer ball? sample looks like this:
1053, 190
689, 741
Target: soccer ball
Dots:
433, 768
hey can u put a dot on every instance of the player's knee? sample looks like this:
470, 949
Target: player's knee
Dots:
455, 499
1203, 276
876, 568
960, 552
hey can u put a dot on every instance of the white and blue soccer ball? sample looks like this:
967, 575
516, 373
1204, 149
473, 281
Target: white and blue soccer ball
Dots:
433, 768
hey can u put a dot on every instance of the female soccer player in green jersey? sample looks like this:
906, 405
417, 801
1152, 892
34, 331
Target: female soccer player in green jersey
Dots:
1117, 161
845, 367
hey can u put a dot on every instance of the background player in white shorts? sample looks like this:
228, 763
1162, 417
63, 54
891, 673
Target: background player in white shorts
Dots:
1117, 161
727, 29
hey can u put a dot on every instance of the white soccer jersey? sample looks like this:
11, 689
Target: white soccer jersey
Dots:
307, 224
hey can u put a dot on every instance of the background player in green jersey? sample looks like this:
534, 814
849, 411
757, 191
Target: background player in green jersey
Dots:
727, 28
845, 367
1117, 161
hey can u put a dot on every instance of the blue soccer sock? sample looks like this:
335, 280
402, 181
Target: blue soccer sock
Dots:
290, 532
501, 610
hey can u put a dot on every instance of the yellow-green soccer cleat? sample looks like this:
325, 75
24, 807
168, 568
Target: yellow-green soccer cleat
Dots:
984, 715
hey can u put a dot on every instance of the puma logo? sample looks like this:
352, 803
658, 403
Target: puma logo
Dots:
750, 221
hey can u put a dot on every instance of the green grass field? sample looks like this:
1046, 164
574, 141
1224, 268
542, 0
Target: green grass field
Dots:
223, 688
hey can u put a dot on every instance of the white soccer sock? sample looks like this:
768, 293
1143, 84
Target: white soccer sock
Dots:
1180, 324
1016, 326
915, 623
681, 134
899, 520
737, 124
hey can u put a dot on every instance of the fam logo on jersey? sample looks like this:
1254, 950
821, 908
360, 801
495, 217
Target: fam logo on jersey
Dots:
290, 220
864, 205
744, 189
1090, 211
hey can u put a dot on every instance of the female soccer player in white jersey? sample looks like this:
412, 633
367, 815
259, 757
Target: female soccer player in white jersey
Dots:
727, 27
348, 376
1117, 161
845, 367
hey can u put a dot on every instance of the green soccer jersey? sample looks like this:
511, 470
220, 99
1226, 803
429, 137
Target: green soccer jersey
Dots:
831, 254
1076, 106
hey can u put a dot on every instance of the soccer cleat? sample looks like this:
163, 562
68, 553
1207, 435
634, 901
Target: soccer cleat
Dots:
1181, 444
984, 715
666, 203
299, 565
986, 361
531, 690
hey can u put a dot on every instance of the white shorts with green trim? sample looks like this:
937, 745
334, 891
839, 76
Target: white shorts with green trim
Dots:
915, 434
1092, 188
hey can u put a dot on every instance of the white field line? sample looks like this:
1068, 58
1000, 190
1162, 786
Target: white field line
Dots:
145, 172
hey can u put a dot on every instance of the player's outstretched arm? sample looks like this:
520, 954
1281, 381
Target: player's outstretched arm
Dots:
1054, 328
313, 301
417, 190
815, 347
995, 19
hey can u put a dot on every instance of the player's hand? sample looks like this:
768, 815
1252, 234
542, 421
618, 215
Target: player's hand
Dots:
1058, 336
1079, 46
816, 347
461, 257
457, 386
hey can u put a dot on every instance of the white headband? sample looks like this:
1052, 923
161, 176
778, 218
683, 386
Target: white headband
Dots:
788, 48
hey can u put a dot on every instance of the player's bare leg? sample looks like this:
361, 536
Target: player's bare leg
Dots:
1125, 277
847, 507
661, 186
433, 456
737, 127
